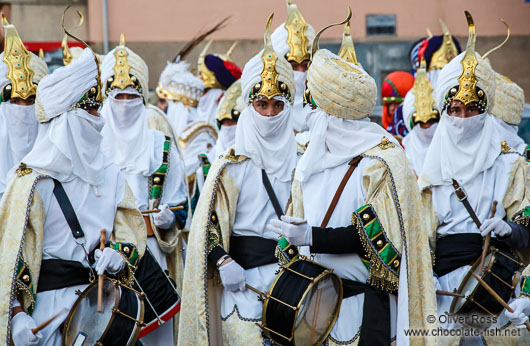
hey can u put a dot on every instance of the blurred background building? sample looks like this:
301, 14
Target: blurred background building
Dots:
383, 30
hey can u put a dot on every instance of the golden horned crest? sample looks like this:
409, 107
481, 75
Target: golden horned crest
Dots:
17, 57
297, 41
207, 76
446, 52
228, 103
269, 85
423, 101
347, 49
467, 91
122, 78
67, 55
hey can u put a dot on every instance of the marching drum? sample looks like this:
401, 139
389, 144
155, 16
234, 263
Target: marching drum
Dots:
302, 304
162, 300
119, 322
502, 273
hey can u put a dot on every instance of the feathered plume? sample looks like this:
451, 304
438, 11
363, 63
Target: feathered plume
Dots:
194, 42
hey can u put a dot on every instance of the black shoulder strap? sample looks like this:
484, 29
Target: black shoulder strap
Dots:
68, 210
272, 195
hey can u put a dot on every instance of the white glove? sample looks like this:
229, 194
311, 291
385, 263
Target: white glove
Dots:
21, 326
165, 218
108, 260
298, 235
233, 276
521, 310
497, 225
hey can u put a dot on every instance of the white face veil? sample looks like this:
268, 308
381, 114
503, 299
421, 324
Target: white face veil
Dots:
461, 149
69, 139
268, 141
127, 140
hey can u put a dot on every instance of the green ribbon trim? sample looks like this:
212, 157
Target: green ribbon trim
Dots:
205, 165
161, 172
379, 243
527, 151
24, 284
128, 251
525, 285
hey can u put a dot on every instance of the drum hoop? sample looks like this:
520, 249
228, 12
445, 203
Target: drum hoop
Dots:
83, 294
138, 327
327, 271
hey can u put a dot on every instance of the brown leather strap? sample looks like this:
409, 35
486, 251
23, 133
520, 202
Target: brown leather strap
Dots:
353, 164
147, 220
462, 197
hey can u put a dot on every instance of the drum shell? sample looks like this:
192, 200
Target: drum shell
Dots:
158, 289
291, 289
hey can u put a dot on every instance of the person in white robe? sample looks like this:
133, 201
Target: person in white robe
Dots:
150, 162
18, 124
350, 157
234, 208
421, 118
36, 238
292, 40
218, 72
468, 154
228, 114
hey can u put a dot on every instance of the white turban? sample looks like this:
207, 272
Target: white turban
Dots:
36, 64
254, 67
340, 88
509, 100
177, 78
59, 91
280, 35
448, 78
138, 69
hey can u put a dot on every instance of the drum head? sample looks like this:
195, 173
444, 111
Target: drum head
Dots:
469, 285
318, 311
85, 325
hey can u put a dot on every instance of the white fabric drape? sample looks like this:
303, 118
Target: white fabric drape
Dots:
509, 134
299, 112
68, 146
416, 144
227, 138
18, 131
334, 141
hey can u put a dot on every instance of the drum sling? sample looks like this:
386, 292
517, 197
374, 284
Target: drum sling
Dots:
58, 273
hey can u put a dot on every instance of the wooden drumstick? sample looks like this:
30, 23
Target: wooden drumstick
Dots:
452, 294
151, 211
496, 296
48, 321
487, 241
102, 240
